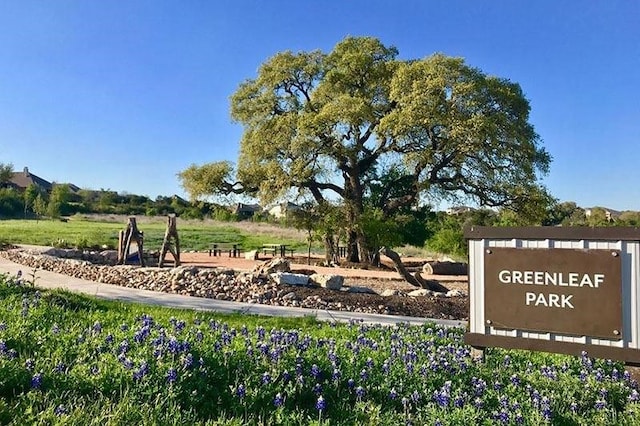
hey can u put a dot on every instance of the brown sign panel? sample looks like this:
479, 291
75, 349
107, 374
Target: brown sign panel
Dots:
567, 291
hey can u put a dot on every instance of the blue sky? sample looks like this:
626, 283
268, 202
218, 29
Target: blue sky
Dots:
122, 95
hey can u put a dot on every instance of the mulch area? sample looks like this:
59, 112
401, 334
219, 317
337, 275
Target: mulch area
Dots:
377, 279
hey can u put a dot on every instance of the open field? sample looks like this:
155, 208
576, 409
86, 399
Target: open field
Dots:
103, 230
69, 359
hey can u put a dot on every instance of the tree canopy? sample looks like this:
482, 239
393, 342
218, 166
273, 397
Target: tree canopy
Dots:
360, 126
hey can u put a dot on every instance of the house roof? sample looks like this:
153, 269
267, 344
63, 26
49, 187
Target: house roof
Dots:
25, 178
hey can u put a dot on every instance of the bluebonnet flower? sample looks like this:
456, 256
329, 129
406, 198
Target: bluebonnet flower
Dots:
633, 396
321, 404
573, 407
393, 394
545, 408
36, 381
124, 327
124, 346
60, 410
286, 376
415, 396
458, 402
199, 336
369, 362
317, 389
241, 392
278, 401
109, 339
172, 375
173, 345
515, 380
502, 416
60, 367
266, 378
315, 371
351, 383
141, 371
29, 364
187, 362
95, 370
478, 403
12, 353
360, 392
3, 347
600, 404
599, 375
97, 327
405, 401
364, 374
336, 375
55, 329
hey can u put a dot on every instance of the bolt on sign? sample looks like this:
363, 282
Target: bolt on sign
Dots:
554, 290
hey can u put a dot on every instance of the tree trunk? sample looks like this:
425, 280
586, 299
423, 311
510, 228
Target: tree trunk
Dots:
352, 247
445, 268
416, 279
329, 249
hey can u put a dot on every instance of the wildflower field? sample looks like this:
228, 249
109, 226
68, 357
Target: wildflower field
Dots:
71, 359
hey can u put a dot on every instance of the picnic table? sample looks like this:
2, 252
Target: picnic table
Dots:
234, 250
276, 249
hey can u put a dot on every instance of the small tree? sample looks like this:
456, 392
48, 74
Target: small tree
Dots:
6, 173
30, 195
40, 206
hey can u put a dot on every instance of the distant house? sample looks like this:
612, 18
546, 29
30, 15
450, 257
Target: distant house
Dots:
457, 210
609, 214
246, 211
283, 209
22, 180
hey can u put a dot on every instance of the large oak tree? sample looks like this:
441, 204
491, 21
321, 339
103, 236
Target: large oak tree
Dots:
334, 126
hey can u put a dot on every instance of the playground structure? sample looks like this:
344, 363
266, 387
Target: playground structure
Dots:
171, 242
125, 238
133, 236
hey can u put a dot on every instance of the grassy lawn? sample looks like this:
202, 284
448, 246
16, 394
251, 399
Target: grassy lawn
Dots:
71, 359
194, 234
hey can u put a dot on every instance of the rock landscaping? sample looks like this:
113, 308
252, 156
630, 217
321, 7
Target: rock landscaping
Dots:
269, 283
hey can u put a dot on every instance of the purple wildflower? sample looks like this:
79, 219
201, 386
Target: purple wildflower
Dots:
393, 394
36, 381
188, 361
335, 376
241, 392
360, 392
60, 367
315, 371
29, 364
600, 404
172, 375
351, 383
278, 401
317, 389
321, 404
60, 410
266, 378
633, 396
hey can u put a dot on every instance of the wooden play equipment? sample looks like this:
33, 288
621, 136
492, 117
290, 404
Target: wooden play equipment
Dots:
171, 242
125, 238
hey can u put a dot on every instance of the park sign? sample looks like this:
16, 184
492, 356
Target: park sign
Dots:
556, 289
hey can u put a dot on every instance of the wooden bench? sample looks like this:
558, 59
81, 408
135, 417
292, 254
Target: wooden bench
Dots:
276, 249
234, 250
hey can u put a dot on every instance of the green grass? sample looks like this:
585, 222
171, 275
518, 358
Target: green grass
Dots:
72, 359
193, 234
